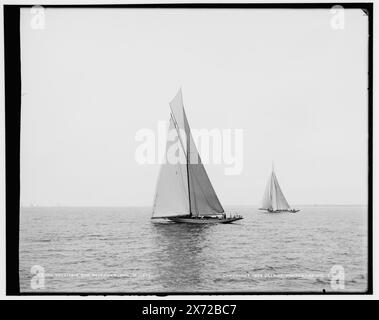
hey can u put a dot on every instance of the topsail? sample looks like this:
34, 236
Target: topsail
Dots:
184, 188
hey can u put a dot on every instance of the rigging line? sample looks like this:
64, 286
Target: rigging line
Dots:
186, 153
273, 190
178, 132
182, 178
202, 190
188, 140
280, 192
156, 191
188, 174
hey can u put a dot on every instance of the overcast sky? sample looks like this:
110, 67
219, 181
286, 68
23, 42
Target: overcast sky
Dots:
93, 77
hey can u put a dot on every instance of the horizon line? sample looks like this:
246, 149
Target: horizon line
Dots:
146, 206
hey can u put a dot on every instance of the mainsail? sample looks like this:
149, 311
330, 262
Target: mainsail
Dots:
184, 188
273, 197
171, 196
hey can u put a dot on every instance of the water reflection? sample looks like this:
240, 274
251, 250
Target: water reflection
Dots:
179, 262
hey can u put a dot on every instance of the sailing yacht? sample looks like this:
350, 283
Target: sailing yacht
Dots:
184, 193
273, 198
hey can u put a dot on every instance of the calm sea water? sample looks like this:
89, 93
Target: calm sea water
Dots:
122, 250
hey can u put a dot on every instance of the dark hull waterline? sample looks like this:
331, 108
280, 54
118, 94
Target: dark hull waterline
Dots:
279, 211
204, 220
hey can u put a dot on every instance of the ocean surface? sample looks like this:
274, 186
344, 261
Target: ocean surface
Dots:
123, 250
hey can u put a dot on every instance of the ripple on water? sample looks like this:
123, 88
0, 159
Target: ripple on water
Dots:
263, 252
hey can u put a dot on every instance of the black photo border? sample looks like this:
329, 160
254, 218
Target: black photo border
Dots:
12, 70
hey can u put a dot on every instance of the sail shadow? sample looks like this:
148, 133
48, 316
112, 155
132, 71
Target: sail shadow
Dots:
178, 259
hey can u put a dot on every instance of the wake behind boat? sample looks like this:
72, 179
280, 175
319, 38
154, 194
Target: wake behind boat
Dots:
184, 193
273, 198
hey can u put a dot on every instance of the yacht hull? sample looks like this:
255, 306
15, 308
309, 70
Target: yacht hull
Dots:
204, 220
279, 211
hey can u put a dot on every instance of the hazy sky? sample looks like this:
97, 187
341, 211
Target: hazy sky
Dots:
93, 77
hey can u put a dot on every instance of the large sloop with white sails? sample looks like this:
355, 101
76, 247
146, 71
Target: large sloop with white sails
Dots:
184, 192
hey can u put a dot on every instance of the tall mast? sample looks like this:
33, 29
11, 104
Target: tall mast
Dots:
272, 182
188, 181
187, 157
188, 137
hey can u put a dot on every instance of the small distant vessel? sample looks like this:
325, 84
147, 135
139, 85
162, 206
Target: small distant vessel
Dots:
273, 198
184, 193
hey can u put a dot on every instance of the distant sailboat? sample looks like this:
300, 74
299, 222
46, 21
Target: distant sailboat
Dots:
273, 198
184, 193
